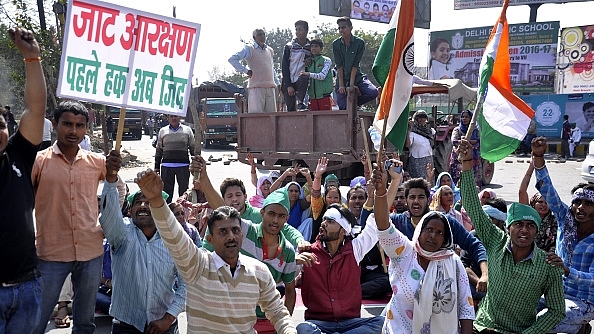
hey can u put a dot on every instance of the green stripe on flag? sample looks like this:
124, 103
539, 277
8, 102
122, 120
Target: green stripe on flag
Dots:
485, 75
494, 145
383, 58
398, 134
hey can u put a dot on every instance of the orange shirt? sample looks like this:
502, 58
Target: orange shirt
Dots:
66, 214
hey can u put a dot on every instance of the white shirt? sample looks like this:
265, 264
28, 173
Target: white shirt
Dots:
219, 262
420, 146
440, 70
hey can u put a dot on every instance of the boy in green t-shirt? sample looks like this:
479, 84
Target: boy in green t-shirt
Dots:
320, 87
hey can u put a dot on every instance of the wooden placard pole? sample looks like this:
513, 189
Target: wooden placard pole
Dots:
368, 156
118, 143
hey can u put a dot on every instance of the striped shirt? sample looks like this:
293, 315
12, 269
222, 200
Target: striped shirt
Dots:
283, 266
580, 282
173, 145
514, 288
143, 270
217, 303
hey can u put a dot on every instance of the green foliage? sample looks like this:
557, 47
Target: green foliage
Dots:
26, 16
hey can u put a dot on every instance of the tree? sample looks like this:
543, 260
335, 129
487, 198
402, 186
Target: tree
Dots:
26, 16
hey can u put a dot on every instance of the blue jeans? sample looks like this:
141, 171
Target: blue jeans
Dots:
368, 93
123, 328
371, 325
20, 305
86, 276
577, 313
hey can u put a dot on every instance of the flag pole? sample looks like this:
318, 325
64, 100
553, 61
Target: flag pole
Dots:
366, 145
471, 126
380, 152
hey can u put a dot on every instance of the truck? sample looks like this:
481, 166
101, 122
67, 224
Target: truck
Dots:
280, 140
218, 120
217, 112
133, 123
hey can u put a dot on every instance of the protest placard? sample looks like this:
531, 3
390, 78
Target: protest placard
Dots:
124, 57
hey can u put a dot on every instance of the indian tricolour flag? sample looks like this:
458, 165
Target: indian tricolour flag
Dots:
505, 117
393, 69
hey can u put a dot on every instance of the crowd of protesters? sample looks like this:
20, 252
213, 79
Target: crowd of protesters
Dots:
235, 264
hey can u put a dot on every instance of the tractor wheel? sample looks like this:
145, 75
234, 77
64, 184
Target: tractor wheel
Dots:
488, 171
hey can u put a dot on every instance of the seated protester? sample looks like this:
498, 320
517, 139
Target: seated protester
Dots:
547, 233
331, 180
144, 273
330, 288
217, 280
496, 209
575, 243
180, 213
399, 203
443, 201
485, 194
416, 192
356, 197
321, 200
258, 239
299, 205
518, 271
233, 194
445, 179
262, 190
430, 285
196, 207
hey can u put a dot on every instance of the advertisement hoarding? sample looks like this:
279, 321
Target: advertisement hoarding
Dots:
123, 57
532, 48
575, 60
550, 109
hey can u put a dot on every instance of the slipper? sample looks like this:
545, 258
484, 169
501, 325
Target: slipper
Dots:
62, 323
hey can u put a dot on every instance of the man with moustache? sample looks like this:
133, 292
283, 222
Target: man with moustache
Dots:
223, 286
575, 245
330, 287
265, 242
519, 273
144, 274
417, 193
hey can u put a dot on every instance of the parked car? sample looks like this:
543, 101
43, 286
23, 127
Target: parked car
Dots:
588, 164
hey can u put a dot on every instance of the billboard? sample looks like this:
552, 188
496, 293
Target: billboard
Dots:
550, 109
575, 60
375, 10
532, 48
469, 4
123, 57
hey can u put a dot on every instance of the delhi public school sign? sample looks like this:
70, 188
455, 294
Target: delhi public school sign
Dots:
123, 57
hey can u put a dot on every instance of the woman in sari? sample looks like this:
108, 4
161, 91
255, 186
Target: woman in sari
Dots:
431, 292
262, 191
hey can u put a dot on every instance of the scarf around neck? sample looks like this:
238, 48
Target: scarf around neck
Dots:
436, 299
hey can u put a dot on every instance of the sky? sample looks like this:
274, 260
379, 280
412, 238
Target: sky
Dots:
225, 23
